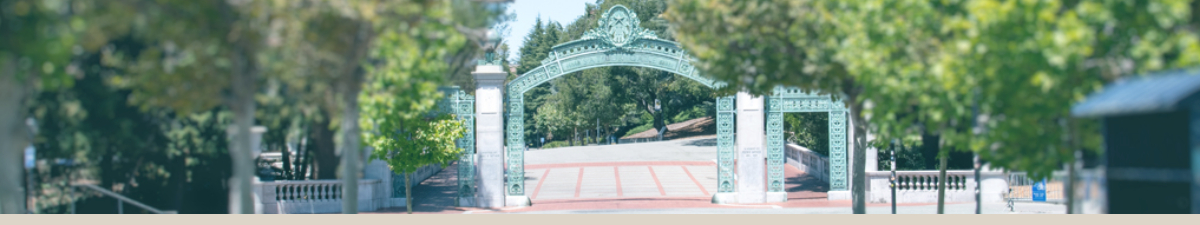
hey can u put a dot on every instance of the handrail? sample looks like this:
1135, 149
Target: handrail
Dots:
121, 198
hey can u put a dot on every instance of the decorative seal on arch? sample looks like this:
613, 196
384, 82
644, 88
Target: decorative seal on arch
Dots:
618, 27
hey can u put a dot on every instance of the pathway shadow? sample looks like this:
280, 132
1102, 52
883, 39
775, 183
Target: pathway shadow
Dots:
707, 142
806, 183
803, 186
435, 194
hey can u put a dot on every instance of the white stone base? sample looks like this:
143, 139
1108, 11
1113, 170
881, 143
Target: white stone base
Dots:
838, 195
776, 196
466, 202
519, 200
724, 198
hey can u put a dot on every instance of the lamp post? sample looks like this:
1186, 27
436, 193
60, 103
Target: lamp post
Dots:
30, 153
893, 179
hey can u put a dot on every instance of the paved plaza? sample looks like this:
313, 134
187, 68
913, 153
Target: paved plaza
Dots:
669, 177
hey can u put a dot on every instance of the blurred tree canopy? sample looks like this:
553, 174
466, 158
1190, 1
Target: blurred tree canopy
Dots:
994, 77
162, 81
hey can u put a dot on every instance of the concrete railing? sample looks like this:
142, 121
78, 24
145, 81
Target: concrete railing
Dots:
808, 161
921, 186
317, 196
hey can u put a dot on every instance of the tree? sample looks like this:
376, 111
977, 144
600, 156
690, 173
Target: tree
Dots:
402, 93
415, 144
924, 65
36, 42
756, 45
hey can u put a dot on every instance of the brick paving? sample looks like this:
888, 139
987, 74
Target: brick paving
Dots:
615, 185
662, 177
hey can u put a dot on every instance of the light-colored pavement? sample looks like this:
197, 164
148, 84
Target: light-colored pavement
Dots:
691, 149
620, 180
959, 208
670, 177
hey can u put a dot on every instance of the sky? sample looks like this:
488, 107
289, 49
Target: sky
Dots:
527, 12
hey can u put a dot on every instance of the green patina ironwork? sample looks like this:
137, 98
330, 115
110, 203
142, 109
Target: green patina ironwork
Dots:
464, 110
462, 106
619, 40
786, 100
726, 112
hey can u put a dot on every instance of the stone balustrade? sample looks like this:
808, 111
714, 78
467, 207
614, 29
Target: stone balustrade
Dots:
316, 196
928, 180
808, 161
922, 186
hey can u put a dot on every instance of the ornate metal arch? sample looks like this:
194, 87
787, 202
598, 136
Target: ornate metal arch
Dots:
619, 40
786, 100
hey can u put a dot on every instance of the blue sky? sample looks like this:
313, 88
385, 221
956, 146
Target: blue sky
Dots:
527, 11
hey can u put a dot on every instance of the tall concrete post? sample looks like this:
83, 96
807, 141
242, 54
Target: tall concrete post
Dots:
751, 139
489, 123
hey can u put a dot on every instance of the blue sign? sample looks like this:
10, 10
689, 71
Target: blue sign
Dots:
1039, 191
29, 153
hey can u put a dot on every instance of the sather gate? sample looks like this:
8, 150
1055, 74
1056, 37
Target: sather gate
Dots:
619, 40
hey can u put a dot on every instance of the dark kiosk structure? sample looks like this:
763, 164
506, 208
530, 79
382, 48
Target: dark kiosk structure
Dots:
1151, 128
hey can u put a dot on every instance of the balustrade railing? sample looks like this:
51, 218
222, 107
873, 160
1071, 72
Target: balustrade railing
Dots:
317, 196
921, 186
316, 190
808, 161
928, 180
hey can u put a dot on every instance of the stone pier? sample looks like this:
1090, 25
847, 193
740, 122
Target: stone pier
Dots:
489, 130
751, 164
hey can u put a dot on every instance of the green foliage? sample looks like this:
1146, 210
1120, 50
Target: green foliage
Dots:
417, 144
402, 92
924, 66
697, 111
810, 130
38, 38
556, 144
640, 128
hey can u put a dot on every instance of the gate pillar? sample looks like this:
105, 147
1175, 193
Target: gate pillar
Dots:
751, 164
726, 112
489, 124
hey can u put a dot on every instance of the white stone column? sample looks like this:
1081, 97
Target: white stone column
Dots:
872, 155
751, 161
489, 134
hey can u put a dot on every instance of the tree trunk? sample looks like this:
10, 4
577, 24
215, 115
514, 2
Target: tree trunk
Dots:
351, 86
941, 203
659, 122
351, 165
241, 195
858, 191
326, 158
178, 181
1073, 165
287, 161
301, 155
408, 193
14, 136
